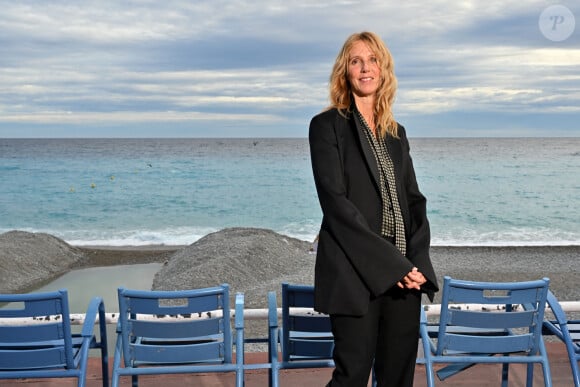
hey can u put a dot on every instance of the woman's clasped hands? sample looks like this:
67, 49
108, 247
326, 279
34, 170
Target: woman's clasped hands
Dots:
413, 280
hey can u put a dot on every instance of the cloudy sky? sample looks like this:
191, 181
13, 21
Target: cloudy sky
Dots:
241, 68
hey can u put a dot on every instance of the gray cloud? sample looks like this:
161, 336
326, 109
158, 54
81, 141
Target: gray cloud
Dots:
249, 68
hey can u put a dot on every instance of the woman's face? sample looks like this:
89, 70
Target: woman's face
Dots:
364, 73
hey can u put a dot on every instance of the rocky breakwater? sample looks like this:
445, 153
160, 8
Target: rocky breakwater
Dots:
28, 260
253, 261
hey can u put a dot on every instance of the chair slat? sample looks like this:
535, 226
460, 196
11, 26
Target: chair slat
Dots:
35, 358
300, 296
30, 333
492, 319
503, 295
171, 353
574, 329
175, 305
309, 323
178, 328
491, 344
42, 307
311, 349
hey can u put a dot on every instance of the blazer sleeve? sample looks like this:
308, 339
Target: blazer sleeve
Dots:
419, 235
378, 263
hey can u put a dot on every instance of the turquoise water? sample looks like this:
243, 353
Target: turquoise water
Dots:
481, 191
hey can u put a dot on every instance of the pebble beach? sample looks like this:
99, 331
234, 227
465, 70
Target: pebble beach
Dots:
561, 264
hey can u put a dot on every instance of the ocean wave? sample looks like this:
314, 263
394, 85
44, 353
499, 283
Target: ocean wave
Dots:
182, 236
512, 236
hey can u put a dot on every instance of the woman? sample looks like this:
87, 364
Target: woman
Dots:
372, 261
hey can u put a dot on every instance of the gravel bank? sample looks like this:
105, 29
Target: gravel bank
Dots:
255, 261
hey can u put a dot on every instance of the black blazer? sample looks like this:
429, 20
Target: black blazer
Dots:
353, 262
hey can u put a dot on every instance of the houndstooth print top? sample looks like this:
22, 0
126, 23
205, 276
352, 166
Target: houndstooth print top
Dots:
392, 224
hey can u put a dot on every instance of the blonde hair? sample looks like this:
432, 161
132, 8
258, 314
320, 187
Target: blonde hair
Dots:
340, 88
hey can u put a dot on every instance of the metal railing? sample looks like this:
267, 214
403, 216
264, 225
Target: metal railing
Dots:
261, 314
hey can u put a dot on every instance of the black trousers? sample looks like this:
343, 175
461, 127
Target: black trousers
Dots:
387, 334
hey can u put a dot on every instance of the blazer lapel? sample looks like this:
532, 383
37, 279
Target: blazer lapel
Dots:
367, 151
394, 147
395, 151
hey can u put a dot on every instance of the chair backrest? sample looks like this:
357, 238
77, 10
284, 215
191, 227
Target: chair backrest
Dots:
172, 327
463, 329
305, 336
43, 342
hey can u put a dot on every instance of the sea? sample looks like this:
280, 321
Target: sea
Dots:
169, 191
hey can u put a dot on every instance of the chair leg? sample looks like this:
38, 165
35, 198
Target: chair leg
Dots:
82, 379
575, 371
104, 346
430, 375
274, 376
530, 375
116, 364
105, 366
545, 366
547, 373
505, 368
83, 365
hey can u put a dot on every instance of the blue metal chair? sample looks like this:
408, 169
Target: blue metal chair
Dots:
40, 343
566, 330
305, 339
466, 336
175, 332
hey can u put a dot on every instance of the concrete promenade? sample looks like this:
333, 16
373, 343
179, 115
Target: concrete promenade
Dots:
478, 376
